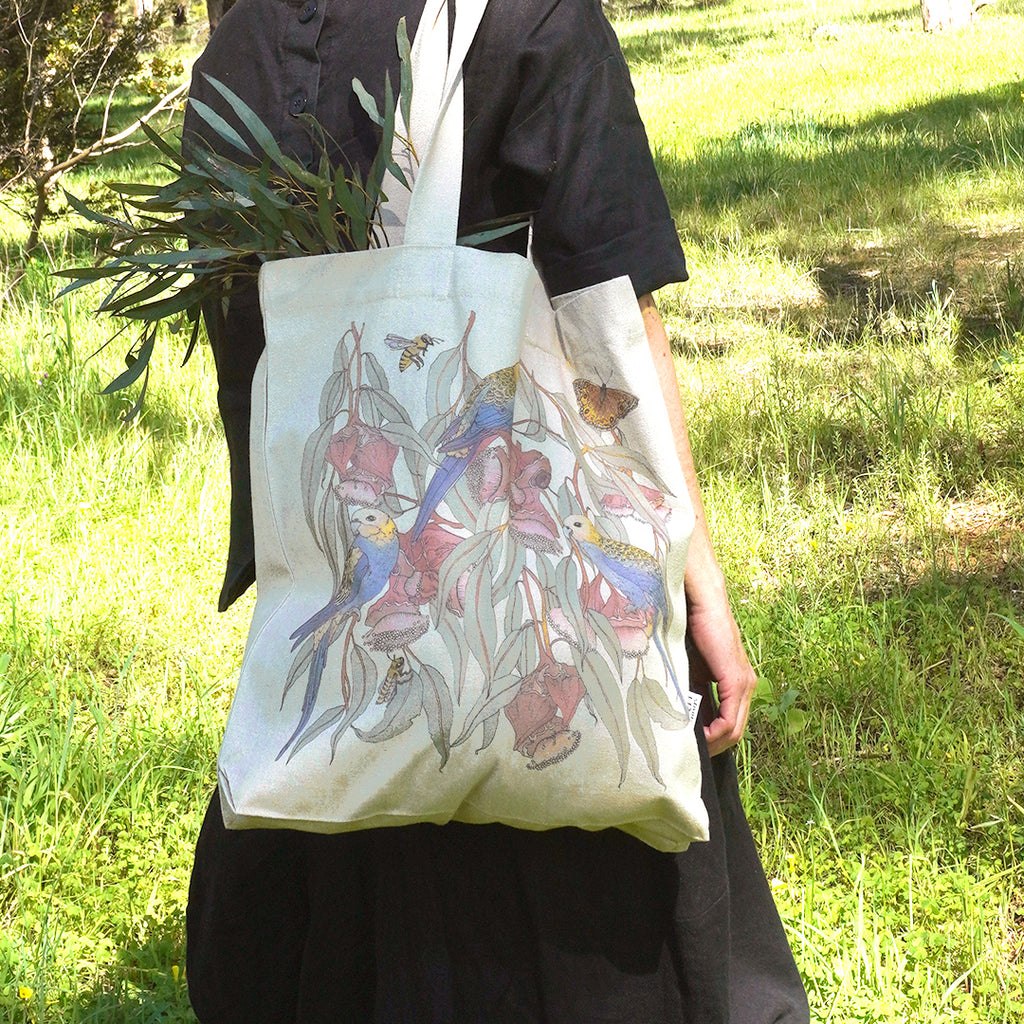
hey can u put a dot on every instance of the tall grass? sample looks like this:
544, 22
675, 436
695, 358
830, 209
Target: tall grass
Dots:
850, 351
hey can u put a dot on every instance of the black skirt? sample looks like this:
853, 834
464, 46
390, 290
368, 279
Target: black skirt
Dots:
483, 924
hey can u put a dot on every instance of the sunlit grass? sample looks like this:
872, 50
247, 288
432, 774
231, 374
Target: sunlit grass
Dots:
850, 352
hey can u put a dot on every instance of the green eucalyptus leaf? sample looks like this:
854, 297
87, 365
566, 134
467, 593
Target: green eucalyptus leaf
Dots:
367, 102
133, 410
82, 210
133, 188
405, 79
178, 303
482, 237
220, 126
261, 133
162, 145
138, 365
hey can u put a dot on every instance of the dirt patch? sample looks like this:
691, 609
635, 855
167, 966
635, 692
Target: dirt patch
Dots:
892, 290
973, 538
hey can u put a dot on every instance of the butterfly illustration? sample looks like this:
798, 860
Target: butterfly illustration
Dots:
601, 405
397, 673
412, 349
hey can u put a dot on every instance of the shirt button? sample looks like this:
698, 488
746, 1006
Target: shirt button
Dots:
307, 12
297, 104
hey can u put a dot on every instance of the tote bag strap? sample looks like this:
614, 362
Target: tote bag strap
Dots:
431, 213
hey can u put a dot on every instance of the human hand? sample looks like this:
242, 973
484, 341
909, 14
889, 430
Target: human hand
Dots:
717, 655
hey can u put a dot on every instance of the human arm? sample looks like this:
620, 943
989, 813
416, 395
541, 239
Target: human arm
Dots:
720, 655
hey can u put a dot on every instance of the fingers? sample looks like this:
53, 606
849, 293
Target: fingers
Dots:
717, 654
727, 729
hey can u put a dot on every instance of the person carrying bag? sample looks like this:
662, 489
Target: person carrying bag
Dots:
470, 538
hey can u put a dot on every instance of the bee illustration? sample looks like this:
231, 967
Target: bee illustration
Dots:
412, 349
397, 673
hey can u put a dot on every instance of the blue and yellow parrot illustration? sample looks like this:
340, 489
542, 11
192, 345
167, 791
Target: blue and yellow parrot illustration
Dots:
368, 565
487, 412
633, 572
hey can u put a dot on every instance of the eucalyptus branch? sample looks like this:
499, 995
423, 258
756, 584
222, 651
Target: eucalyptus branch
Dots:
178, 246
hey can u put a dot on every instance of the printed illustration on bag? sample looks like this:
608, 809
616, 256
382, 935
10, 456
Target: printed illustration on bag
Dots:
485, 572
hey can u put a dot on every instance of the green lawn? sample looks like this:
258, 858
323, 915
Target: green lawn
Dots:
851, 352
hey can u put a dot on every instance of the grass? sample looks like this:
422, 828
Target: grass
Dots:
850, 350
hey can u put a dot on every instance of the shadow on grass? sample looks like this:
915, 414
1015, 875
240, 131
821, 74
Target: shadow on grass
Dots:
141, 987
913, 698
812, 189
673, 49
684, 47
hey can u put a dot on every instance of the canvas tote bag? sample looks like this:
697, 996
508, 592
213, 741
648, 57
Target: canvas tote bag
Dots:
471, 529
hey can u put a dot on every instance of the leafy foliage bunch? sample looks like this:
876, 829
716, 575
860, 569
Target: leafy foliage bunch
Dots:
180, 245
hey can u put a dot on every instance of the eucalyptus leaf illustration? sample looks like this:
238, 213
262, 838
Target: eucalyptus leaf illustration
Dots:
640, 725
660, 708
513, 564
404, 708
362, 680
606, 634
455, 642
626, 458
437, 705
299, 666
604, 690
490, 730
488, 704
510, 652
375, 373
461, 560
324, 722
479, 621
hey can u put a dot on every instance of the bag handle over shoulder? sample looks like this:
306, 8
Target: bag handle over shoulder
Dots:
437, 122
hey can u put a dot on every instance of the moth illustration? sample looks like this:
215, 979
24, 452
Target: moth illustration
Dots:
602, 406
412, 349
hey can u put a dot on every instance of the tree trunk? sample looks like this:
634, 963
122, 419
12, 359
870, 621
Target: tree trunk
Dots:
42, 205
937, 15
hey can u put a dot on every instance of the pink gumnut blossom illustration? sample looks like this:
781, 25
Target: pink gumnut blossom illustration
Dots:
541, 712
396, 620
632, 625
500, 474
364, 459
620, 505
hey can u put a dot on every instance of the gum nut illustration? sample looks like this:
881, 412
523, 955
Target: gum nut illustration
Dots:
632, 625
368, 564
633, 572
499, 474
364, 460
394, 621
486, 414
425, 556
541, 712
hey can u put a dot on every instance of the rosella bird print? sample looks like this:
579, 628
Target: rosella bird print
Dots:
487, 412
635, 573
368, 565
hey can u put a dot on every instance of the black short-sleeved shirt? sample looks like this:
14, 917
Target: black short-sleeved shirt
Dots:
552, 130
